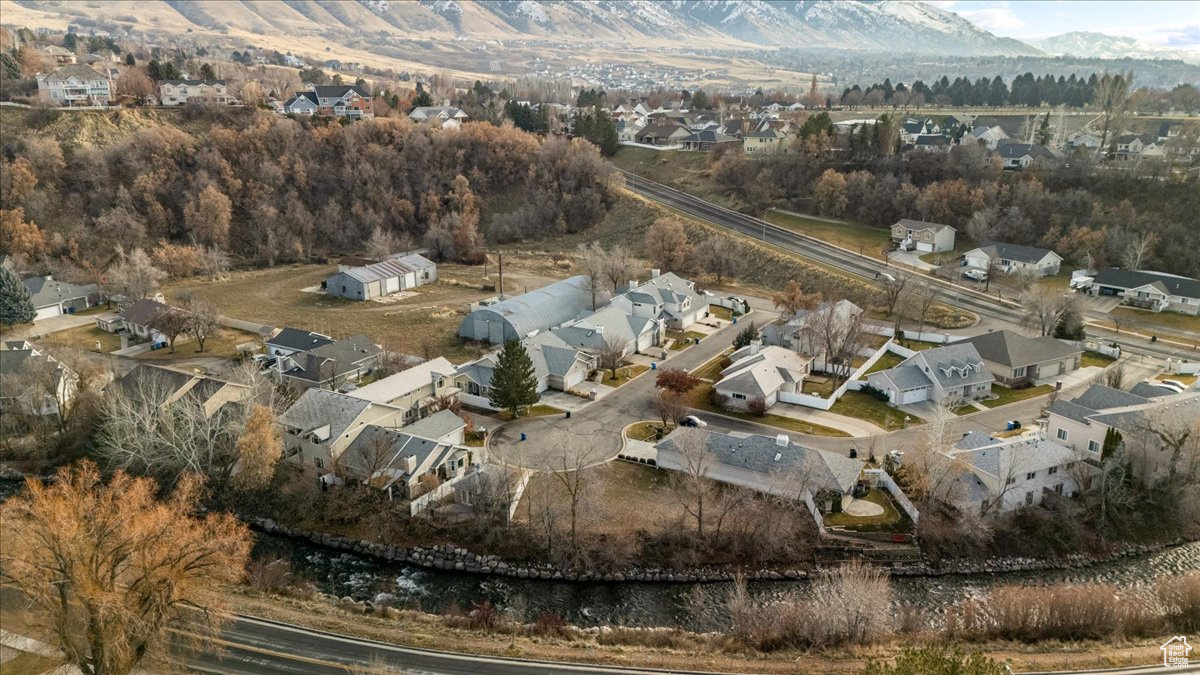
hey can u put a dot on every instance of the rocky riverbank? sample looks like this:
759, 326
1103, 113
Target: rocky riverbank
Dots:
461, 560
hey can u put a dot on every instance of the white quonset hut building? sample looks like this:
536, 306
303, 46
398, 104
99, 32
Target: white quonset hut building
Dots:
517, 317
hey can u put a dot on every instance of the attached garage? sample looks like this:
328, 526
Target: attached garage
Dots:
53, 298
47, 312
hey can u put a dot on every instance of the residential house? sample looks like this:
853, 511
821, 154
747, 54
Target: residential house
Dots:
75, 85
417, 390
1015, 359
439, 117
612, 325
932, 143
339, 100
945, 375
410, 462
989, 136
1000, 475
321, 424
797, 333
382, 278
556, 364
59, 55
925, 237
768, 141
761, 373
204, 92
54, 298
33, 382
1083, 423
708, 140
289, 341
1129, 147
501, 320
911, 128
668, 297
335, 364
137, 316
773, 466
1082, 138
1021, 155
1013, 258
167, 385
1167, 131
627, 129
1156, 291
662, 134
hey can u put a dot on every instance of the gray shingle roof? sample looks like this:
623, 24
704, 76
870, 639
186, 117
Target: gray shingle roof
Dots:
46, 291
1071, 411
917, 225
907, 377
317, 407
952, 365
1100, 397
1147, 390
441, 423
1015, 350
298, 340
142, 312
1174, 285
1027, 254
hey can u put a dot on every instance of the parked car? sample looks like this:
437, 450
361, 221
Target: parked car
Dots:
976, 275
1174, 385
693, 421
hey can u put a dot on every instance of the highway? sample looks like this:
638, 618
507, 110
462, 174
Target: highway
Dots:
848, 261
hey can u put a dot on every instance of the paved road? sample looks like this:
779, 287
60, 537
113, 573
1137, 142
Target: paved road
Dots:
594, 434
852, 263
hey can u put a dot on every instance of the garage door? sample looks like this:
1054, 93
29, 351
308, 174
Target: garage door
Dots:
1052, 370
924, 246
391, 285
47, 312
573, 378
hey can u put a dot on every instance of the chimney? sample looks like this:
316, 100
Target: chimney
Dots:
633, 284
410, 464
755, 345
782, 441
654, 272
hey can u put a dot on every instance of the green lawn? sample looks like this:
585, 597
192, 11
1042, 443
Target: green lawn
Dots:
536, 410
871, 241
643, 431
700, 398
890, 514
710, 370
683, 340
721, 312
918, 345
965, 410
888, 360
624, 374
1007, 395
1095, 359
865, 407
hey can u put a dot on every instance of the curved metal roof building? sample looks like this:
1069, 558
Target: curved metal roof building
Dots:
539, 310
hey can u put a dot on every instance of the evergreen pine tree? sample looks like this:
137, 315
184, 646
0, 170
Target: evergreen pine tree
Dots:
744, 338
422, 99
15, 303
514, 384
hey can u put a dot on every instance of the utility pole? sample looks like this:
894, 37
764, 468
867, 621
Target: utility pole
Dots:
500, 273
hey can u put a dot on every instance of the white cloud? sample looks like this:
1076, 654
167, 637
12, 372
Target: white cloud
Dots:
997, 18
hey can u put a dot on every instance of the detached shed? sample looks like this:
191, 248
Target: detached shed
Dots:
382, 278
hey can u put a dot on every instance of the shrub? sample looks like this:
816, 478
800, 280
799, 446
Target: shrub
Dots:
937, 660
1180, 600
718, 399
757, 406
483, 616
874, 392
1063, 612
549, 624
676, 379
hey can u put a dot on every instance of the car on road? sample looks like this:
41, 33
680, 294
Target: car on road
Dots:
976, 275
693, 422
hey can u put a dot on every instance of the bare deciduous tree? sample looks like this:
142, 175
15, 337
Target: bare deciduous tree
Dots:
214, 261
667, 245
593, 262
926, 297
894, 282
171, 323
1138, 248
618, 267
794, 298
671, 406
612, 354
837, 336
691, 485
1044, 307
201, 319
720, 257
134, 275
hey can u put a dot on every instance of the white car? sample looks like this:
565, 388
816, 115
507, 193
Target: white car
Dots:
1174, 385
693, 421
975, 275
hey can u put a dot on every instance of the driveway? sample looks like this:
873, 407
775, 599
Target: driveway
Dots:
594, 434
52, 325
912, 259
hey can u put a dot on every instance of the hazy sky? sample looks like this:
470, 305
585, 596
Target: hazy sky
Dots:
1174, 23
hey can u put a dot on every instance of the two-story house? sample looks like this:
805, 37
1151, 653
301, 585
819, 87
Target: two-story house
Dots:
337, 100
667, 297
439, 116
994, 475
415, 391
75, 85
909, 235
321, 424
947, 375
332, 365
203, 92
1084, 422
768, 141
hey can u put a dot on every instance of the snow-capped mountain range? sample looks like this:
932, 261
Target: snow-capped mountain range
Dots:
1101, 46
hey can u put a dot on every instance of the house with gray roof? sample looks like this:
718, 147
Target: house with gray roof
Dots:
1156, 291
768, 141
918, 235
759, 372
668, 297
32, 382
556, 365
439, 116
379, 279
514, 318
417, 390
1022, 155
662, 133
947, 374
773, 466
75, 85
1012, 472
594, 331
333, 364
137, 316
52, 297
321, 424
707, 140
798, 333
1013, 258
1083, 422
166, 385
410, 462
1016, 360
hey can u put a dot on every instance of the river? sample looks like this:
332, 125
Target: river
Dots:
694, 606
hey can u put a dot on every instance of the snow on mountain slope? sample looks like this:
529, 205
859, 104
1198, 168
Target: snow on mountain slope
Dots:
1101, 46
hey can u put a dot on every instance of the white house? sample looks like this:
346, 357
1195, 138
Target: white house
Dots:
668, 297
909, 235
383, 278
999, 475
33, 382
1022, 155
416, 390
952, 373
1156, 291
1013, 258
321, 424
441, 117
989, 136
759, 372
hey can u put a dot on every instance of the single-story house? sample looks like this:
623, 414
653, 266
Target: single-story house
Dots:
1155, 291
556, 365
932, 143
415, 390
773, 466
137, 317
321, 424
1002, 475
333, 364
989, 136
382, 278
759, 372
662, 133
593, 332
517, 317
409, 462
1083, 423
797, 334
33, 382
54, 298
1021, 155
442, 117
1013, 258
167, 385
954, 372
1014, 359
708, 139
925, 237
